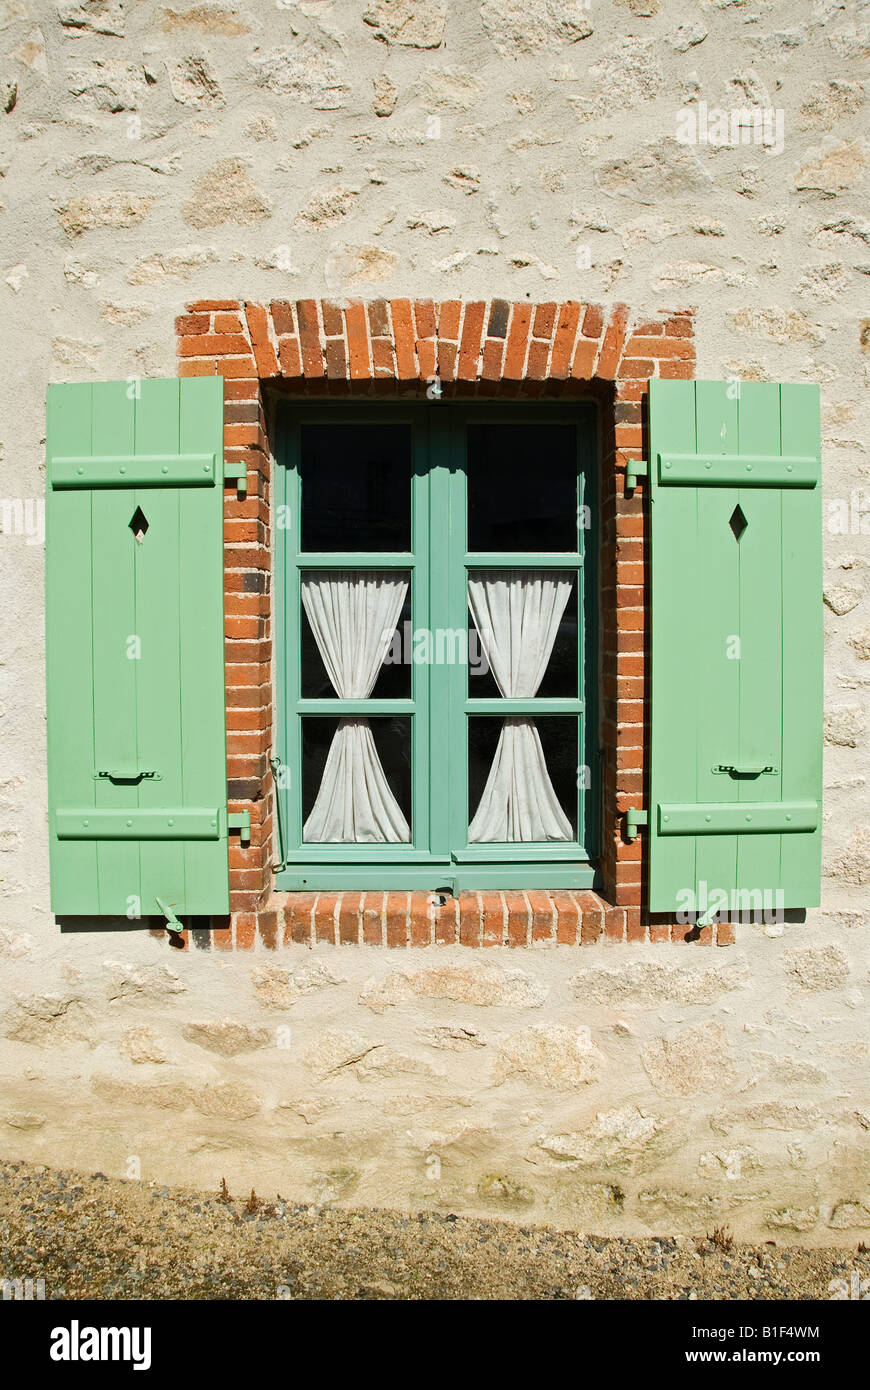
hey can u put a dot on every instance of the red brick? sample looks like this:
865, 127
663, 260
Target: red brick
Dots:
243, 900
349, 919
593, 321
372, 920
291, 357
420, 928
397, 918
563, 343
542, 326
207, 306
611, 348
403, 336
240, 435
536, 368
213, 345
469, 919
382, 356
297, 918
639, 346
447, 924
518, 335
357, 341
233, 366
426, 358
258, 327
245, 924
222, 933
196, 324
635, 930
424, 318
492, 912
324, 917
543, 915
639, 368
518, 919
446, 360
267, 927
584, 360
282, 316
591, 925
631, 390
309, 337
241, 390
568, 919
448, 319
614, 923
493, 352
333, 321
469, 350
379, 320
336, 359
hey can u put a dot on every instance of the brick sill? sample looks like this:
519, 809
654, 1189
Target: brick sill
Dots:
531, 918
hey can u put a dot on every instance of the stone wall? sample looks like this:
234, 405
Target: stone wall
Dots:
154, 155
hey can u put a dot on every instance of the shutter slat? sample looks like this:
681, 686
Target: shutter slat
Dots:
759, 555
715, 671
115, 673
674, 542
69, 655
158, 595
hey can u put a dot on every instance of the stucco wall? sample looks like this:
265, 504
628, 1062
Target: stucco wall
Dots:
151, 156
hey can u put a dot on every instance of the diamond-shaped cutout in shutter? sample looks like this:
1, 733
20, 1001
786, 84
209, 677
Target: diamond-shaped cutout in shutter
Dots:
138, 524
737, 521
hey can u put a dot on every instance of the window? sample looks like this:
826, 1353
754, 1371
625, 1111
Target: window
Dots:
436, 646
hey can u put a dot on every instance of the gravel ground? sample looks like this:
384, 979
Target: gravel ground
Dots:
95, 1237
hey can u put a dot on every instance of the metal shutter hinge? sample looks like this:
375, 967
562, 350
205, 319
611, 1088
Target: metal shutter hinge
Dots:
238, 473
241, 821
634, 819
634, 469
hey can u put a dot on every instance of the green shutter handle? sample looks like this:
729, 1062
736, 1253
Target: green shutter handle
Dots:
745, 769
128, 774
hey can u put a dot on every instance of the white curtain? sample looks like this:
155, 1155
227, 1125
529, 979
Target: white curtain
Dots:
517, 615
353, 618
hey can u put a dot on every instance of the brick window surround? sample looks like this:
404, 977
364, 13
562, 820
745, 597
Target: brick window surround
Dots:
396, 348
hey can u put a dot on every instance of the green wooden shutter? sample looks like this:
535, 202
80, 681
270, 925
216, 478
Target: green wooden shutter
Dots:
134, 648
736, 646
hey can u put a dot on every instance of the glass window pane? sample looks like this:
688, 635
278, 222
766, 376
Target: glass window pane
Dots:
522, 487
392, 743
394, 674
558, 741
560, 678
356, 487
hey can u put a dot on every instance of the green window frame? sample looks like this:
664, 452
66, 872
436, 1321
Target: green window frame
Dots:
440, 705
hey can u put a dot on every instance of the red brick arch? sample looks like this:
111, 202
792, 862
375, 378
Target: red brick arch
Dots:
399, 347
